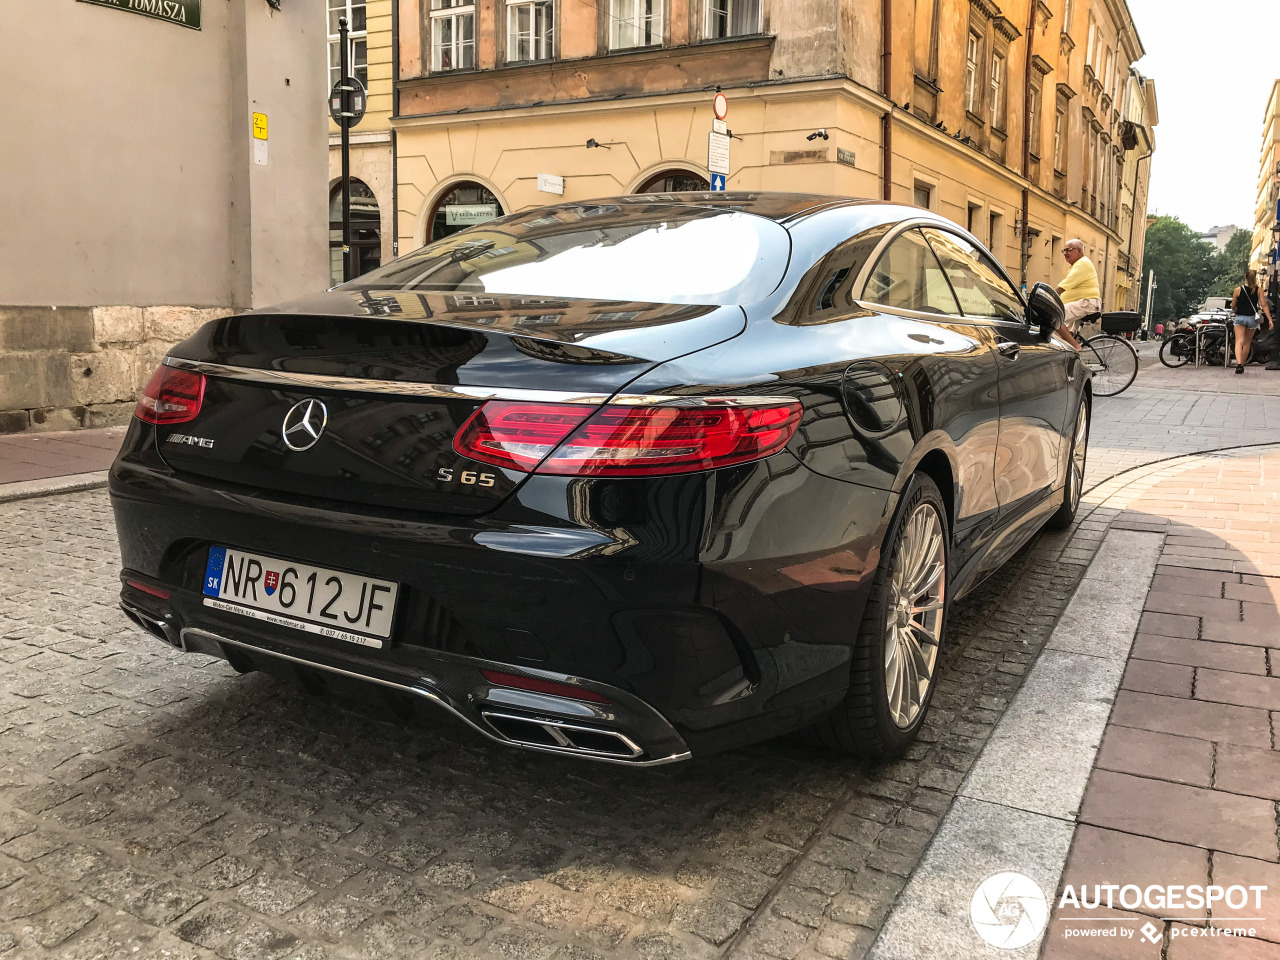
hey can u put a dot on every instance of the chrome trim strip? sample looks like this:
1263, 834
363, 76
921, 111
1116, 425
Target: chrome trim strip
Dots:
285, 380
434, 697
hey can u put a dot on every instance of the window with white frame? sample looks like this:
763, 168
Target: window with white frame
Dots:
453, 34
1067, 10
530, 27
732, 18
973, 61
1060, 138
997, 90
357, 41
635, 23
1093, 39
1033, 120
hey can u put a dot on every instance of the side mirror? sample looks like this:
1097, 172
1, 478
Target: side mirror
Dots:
1045, 311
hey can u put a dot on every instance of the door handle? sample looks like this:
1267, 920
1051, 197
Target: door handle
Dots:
1008, 349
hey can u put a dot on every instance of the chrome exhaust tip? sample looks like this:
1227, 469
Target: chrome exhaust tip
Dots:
561, 736
153, 625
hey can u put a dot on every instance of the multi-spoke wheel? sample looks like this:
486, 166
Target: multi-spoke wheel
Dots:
1076, 464
895, 656
917, 592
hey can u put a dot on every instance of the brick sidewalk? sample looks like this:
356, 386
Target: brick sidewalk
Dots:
1187, 780
38, 456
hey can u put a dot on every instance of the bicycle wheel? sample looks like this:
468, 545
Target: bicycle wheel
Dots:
1177, 350
1114, 364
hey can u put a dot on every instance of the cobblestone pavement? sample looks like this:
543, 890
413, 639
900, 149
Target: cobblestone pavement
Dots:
155, 805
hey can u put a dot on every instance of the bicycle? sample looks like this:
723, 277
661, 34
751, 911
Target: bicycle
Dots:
1112, 360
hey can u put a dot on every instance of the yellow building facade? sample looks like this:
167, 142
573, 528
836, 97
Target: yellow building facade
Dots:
1267, 210
1014, 120
371, 24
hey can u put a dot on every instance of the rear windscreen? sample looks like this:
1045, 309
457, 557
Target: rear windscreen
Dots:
650, 253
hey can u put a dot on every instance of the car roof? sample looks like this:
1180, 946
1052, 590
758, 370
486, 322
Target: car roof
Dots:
772, 205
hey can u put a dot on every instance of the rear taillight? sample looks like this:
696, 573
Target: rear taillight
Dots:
631, 441
171, 396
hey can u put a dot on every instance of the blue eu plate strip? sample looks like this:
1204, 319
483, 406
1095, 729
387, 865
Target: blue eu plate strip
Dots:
213, 572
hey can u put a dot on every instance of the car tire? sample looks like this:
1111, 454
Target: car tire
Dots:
875, 720
1077, 461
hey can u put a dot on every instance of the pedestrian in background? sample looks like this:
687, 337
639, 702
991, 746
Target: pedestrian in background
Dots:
1079, 291
1247, 303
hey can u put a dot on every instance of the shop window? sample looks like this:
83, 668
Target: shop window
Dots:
366, 231
530, 29
675, 181
732, 18
357, 41
453, 35
635, 23
466, 205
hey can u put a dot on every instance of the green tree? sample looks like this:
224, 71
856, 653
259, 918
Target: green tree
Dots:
1186, 267
1233, 261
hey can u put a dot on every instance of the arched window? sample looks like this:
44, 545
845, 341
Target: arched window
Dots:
466, 205
674, 181
366, 231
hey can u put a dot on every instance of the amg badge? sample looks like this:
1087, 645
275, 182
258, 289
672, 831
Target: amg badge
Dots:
189, 440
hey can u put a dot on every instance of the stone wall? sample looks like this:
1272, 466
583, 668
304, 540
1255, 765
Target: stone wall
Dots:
68, 367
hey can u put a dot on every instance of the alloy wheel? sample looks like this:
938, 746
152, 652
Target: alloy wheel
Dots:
1079, 456
917, 593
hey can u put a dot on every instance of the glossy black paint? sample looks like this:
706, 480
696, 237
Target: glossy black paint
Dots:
726, 601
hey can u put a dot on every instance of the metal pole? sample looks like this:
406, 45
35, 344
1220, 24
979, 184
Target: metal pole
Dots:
1151, 280
343, 69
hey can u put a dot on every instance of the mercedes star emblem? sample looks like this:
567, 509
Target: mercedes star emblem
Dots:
303, 424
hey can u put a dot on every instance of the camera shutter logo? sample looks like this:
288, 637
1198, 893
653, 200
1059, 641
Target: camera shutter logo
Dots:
303, 425
1008, 910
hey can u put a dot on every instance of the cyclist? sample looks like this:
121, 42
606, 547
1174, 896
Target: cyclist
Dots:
1079, 291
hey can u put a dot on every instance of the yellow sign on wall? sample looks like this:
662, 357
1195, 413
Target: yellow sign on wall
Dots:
260, 126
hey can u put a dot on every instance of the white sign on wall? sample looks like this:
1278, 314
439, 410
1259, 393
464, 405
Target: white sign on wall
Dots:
718, 153
469, 214
550, 183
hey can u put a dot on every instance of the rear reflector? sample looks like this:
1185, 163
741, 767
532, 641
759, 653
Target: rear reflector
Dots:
542, 686
571, 440
147, 588
171, 396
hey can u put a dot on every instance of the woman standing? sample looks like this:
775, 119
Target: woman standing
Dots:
1247, 303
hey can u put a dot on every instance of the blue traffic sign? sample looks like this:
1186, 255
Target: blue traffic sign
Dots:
717, 181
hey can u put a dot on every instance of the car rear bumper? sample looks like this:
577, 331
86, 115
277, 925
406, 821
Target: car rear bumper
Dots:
691, 656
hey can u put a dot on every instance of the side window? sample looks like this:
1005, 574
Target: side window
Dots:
980, 287
824, 294
908, 277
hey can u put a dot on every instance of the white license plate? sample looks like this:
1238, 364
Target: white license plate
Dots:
329, 603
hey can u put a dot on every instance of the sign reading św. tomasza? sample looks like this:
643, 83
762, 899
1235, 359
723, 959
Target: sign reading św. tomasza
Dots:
185, 13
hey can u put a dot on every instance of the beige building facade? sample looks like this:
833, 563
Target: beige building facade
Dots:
1015, 120
158, 174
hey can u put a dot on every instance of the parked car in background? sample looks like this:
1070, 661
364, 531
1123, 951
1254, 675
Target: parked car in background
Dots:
628, 480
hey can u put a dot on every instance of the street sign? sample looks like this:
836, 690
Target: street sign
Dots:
718, 153
717, 182
347, 102
721, 106
719, 126
550, 183
185, 13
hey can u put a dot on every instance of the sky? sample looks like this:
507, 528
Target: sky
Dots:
1213, 64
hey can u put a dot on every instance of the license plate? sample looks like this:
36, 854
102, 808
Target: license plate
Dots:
343, 606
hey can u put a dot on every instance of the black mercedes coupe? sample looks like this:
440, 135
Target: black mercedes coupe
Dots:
628, 480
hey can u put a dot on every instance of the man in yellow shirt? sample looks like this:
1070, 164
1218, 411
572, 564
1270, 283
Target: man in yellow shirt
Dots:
1079, 291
